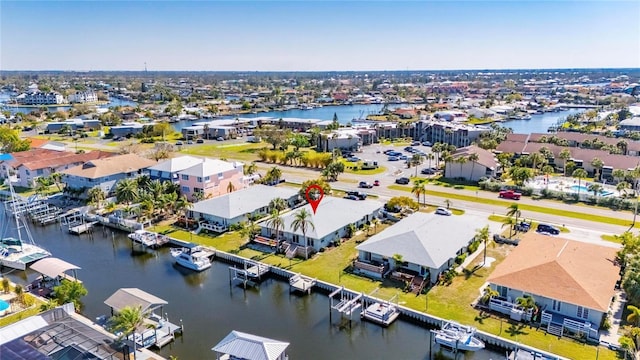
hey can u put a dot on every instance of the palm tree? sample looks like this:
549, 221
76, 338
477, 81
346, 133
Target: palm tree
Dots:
565, 155
597, 165
418, 189
276, 223
514, 211
482, 235
375, 223
302, 221
251, 169
546, 170
274, 174
527, 302
57, 179
19, 291
181, 204
127, 321
50, 304
430, 157
96, 196
473, 157
127, 191
230, 187
278, 204
416, 160
634, 315
595, 188
205, 129
580, 174
619, 174
488, 293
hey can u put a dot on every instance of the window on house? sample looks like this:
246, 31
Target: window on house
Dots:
207, 178
220, 175
27, 172
556, 305
185, 177
582, 313
39, 172
185, 189
199, 179
502, 290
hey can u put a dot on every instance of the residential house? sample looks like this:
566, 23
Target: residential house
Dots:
218, 213
40, 98
445, 132
572, 282
168, 170
485, 167
106, 172
211, 177
344, 139
127, 129
331, 221
427, 243
632, 124
81, 97
38, 163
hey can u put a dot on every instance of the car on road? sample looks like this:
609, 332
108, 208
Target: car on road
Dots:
220, 138
179, 143
358, 194
365, 185
499, 239
549, 229
393, 158
403, 181
509, 194
351, 197
523, 226
443, 211
189, 142
376, 183
353, 159
426, 143
200, 141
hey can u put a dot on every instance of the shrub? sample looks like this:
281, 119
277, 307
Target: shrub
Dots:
459, 187
474, 246
460, 258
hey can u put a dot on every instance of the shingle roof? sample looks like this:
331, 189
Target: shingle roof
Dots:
124, 297
250, 347
331, 215
65, 158
426, 239
560, 269
243, 201
110, 166
485, 157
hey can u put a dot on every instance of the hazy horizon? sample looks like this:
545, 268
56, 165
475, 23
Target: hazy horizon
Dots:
317, 36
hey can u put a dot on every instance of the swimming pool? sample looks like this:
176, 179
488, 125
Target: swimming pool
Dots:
584, 189
4, 307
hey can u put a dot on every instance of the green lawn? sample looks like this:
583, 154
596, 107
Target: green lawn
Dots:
451, 302
245, 152
535, 208
611, 238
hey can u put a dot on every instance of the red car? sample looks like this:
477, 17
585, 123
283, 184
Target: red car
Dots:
376, 183
510, 194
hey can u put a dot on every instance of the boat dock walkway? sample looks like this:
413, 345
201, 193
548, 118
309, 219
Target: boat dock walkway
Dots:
81, 228
149, 239
301, 283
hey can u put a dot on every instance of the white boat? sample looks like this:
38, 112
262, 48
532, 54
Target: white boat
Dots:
17, 253
459, 337
194, 257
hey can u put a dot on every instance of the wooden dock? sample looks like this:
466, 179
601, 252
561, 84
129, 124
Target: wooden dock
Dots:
301, 283
82, 228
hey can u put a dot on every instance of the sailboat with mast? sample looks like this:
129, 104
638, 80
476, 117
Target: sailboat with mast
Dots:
18, 252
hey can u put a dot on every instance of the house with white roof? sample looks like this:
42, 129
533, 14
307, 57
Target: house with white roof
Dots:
330, 222
428, 244
211, 177
168, 170
239, 345
218, 213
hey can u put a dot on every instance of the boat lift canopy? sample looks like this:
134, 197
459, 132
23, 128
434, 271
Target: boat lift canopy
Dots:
134, 297
53, 267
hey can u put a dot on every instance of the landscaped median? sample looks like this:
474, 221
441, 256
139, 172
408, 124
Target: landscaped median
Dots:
527, 207
450, 302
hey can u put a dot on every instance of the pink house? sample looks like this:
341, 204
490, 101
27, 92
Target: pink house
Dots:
212, 178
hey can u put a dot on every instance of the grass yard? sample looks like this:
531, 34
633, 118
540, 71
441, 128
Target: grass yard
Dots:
245, 152
534, 224
535, 208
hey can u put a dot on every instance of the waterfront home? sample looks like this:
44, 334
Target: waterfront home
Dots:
74, 124
239, 345
168, 170
59, 333
106, 172
211, 177
81, 97
210, 130
218, 213
572, 282
331, 222
485, 167
427, 244
127, 129
40, 98
30, 165
446, 132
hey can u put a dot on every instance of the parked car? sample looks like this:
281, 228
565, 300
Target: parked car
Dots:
415, 143
510, 194
200, 141
189, 142
376, 183
358, 194
409, 149
353, 159
403, 157
523, 226
179, 143
499, 239
546, 228
443, 211
220, 138
403, 181
393, 158
351, 197
365, 185
427, 171
426, 143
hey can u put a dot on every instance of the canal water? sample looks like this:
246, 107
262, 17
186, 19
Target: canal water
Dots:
210, 308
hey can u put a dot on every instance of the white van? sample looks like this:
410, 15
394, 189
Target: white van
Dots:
369, 164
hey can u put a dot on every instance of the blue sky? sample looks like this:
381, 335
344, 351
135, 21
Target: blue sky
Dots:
317, 35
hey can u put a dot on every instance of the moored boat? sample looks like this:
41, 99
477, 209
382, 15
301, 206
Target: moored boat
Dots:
458, 337
194, 257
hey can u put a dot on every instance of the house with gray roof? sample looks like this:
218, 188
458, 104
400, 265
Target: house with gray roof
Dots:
428, 244
330, 221
239, 345
218, 213
168, 169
